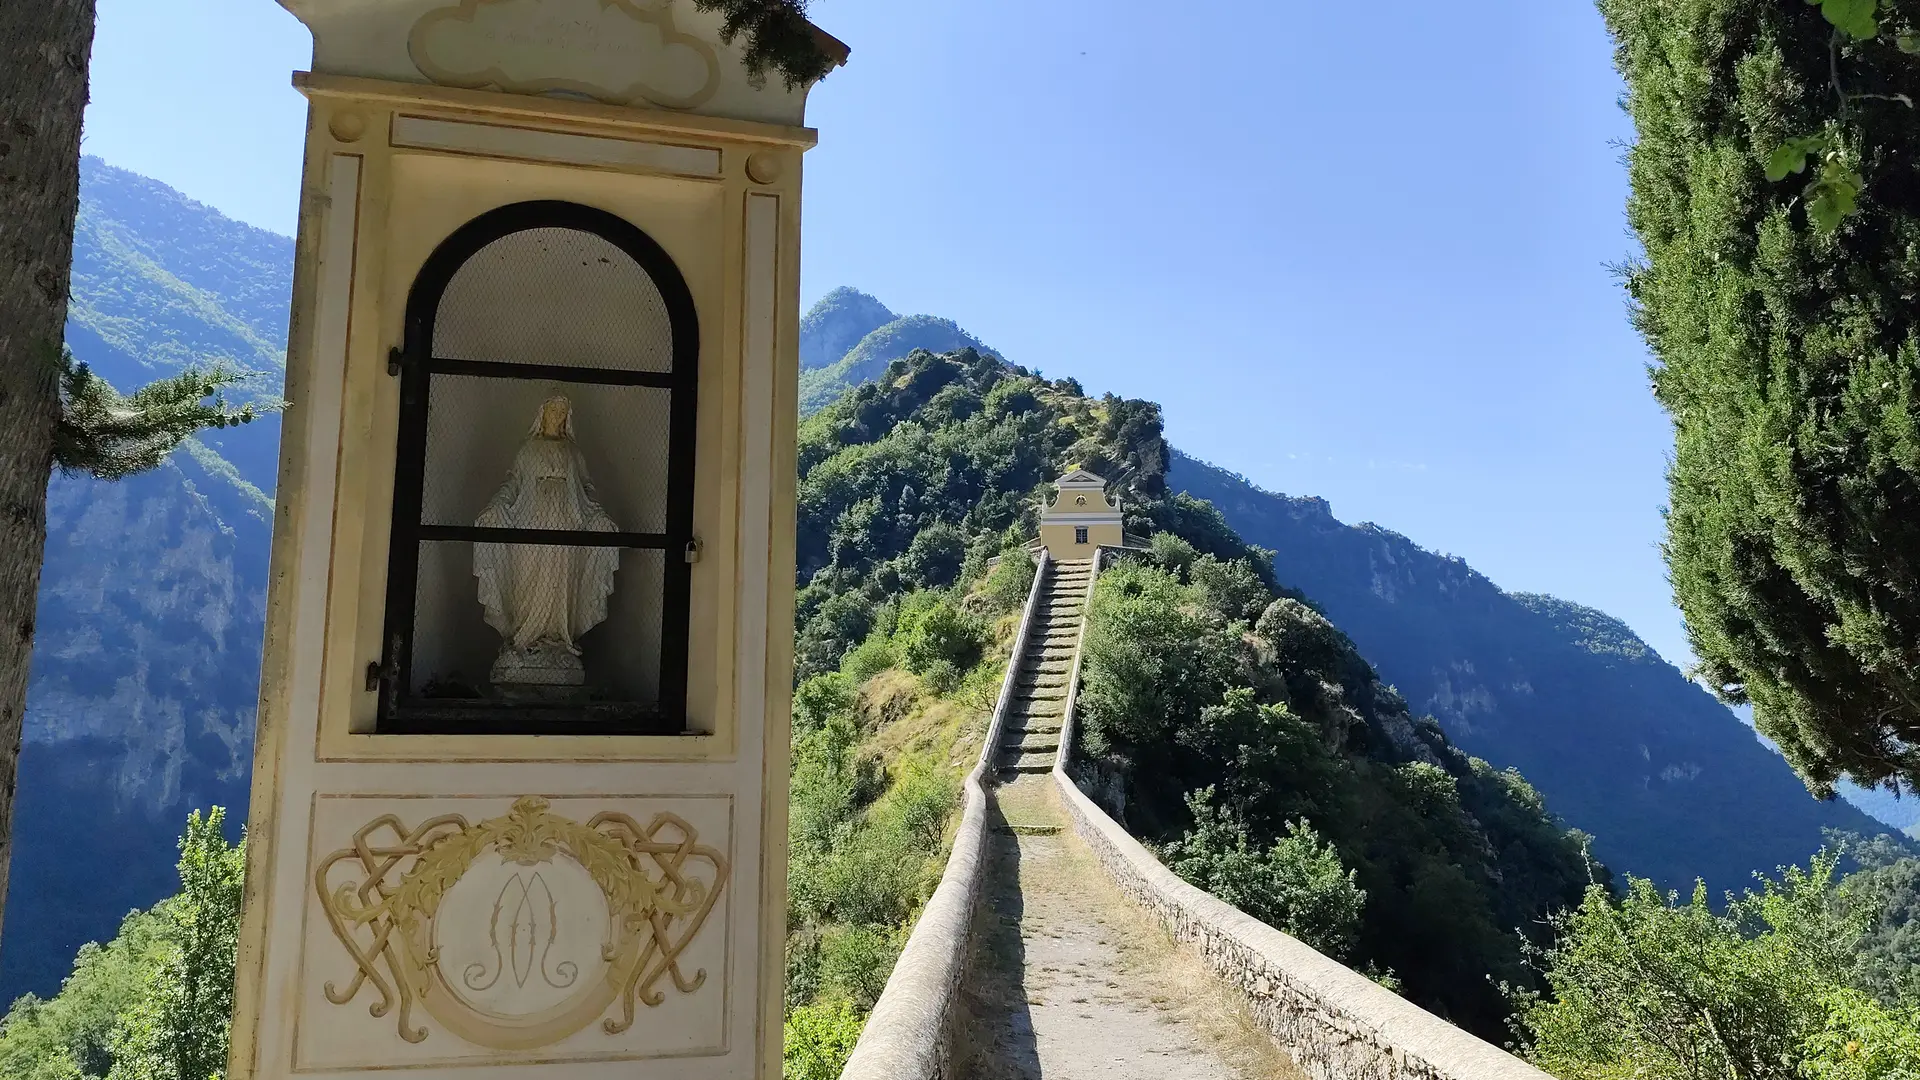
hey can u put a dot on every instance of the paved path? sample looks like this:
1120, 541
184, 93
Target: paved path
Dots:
1071, 981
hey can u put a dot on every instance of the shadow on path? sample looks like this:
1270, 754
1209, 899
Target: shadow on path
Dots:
999, 1043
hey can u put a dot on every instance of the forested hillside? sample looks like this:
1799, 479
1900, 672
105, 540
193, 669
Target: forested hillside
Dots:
1669, 782
147, 648
1202, 677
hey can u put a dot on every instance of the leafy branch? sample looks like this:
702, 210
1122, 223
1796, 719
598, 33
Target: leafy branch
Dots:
1833, 194
113, 435
779, 38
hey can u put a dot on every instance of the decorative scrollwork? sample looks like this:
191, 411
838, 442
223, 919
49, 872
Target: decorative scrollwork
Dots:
383, 914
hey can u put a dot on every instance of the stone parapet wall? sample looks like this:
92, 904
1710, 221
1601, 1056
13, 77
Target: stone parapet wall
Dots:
1337, 1024
912, 1031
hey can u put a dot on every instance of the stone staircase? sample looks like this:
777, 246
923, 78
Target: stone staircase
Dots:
1031, 737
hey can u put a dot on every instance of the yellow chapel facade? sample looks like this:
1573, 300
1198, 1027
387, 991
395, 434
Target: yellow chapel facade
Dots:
1081, 519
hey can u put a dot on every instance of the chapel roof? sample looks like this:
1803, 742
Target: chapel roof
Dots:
1079, 477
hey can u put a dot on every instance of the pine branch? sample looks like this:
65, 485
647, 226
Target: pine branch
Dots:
112, 435
779, 38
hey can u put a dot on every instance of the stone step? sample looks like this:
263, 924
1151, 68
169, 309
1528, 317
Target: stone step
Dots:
1033, 701
1035, 745
1027, 767
1042, 728
1018, 828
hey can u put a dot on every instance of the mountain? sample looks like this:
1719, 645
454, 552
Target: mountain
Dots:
1670, 783
834, 325
152, 600
874, 351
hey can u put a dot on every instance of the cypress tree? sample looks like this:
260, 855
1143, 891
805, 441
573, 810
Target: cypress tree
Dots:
1788, 357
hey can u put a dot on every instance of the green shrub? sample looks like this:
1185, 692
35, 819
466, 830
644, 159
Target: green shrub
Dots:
178, 1028
155, 1003
1863, 1040
1231, 587
1652, 988
70, 1035
870, 658
1154, 657
1008, 583
933, 558
1172, 553
942, 642
1297, 886
802, 964
821, 697
1304, 642
923, 795
819, 1039
855, 961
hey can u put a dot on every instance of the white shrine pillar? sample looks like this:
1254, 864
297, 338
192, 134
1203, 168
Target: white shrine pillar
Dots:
519, 793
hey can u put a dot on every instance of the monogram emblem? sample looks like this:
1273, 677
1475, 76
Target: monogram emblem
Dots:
518, 931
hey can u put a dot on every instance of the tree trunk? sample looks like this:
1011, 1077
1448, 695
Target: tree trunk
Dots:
44, 45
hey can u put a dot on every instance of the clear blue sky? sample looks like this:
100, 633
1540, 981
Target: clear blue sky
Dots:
1356, 251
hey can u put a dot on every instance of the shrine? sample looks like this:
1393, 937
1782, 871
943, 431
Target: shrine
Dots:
519, 793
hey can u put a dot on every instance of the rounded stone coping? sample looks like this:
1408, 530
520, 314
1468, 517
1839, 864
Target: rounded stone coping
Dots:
910, 1032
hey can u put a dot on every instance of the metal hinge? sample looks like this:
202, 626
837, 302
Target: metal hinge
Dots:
693, 550
393, 365
373, 677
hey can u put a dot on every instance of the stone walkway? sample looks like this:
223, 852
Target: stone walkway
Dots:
1071, 981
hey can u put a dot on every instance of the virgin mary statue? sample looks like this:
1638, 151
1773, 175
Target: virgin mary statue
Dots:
543, 597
